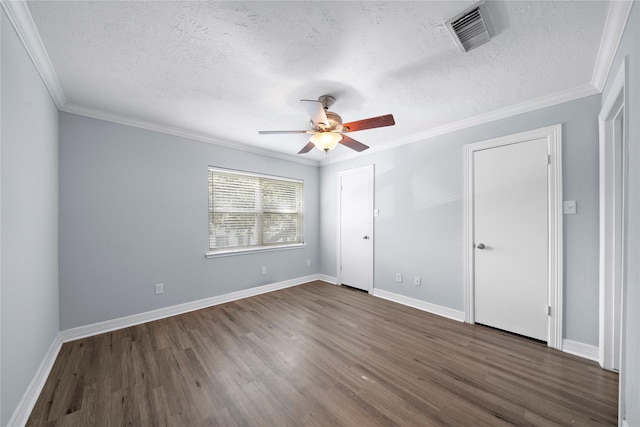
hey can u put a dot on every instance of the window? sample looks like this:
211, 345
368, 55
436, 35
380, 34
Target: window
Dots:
250, 211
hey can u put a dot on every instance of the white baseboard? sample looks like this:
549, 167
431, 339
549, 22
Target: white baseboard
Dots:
149, 316
28, 401
568, 346
421, 305
580, 349
328, 279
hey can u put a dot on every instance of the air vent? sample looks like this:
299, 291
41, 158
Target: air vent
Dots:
471, 28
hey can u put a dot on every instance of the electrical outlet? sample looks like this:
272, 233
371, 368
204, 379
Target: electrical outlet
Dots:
417, 281
159, 288
399, 277
264, 269
308, 263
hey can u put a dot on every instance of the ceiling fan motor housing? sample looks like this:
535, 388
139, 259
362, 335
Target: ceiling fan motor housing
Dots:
335, 123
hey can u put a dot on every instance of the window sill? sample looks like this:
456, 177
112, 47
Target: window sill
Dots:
253, 250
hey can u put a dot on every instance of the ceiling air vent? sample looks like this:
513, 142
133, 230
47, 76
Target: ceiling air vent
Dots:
471, 28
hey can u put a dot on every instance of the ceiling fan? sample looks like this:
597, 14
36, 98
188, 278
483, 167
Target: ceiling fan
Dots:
327, 129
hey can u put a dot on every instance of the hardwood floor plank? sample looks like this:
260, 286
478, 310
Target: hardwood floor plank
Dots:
319, 355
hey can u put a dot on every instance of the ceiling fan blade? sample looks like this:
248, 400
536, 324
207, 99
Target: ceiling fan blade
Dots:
306, 148
273, 132
353, 144
373, 122
316, 112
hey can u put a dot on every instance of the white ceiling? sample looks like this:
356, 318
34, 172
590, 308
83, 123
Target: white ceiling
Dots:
224, 70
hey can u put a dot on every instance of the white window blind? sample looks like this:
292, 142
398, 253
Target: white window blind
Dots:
250, 211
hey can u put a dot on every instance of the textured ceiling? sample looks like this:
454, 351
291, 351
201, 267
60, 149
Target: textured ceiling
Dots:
228, 69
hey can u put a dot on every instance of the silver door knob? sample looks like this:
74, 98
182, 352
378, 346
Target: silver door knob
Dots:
480, 246
365, 237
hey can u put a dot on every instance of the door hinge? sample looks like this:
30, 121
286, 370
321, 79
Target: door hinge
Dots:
548, 159
548, 310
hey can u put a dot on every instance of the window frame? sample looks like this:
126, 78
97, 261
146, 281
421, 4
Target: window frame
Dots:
260, 212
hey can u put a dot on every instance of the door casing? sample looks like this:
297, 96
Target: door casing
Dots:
612, 139
554, 205
613, 142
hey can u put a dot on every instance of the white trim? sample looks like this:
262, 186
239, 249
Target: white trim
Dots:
328, 279
30, 396
175, 131
579, 349
439, 310
244, 173
554, 137
615, 24
369, 169
243, 251
161, 313
503, 113
556, 242
611, 226
20, 17
535, 104
28, 401
0, 221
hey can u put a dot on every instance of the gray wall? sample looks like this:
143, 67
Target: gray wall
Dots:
133, 212
630, 47
419, 192
29, 220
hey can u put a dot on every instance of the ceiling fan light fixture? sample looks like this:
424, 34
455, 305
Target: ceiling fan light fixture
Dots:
326, 141
327, 129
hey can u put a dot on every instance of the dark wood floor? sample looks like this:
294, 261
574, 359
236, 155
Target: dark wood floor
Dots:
320, 355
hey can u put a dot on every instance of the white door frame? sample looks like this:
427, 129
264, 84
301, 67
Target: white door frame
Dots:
370, 171
612, 228
554, 138
611, 214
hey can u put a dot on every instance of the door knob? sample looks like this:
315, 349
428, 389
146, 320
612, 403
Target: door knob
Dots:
480, 246
365, 237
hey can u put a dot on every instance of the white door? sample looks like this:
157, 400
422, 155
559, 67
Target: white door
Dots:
355, 233
511, 231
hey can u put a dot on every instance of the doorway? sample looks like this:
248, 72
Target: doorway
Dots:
355, 228
513, 262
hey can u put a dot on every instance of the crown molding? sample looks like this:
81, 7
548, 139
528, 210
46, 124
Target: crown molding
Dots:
18, 13
176, 131
616, 22
503, 113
